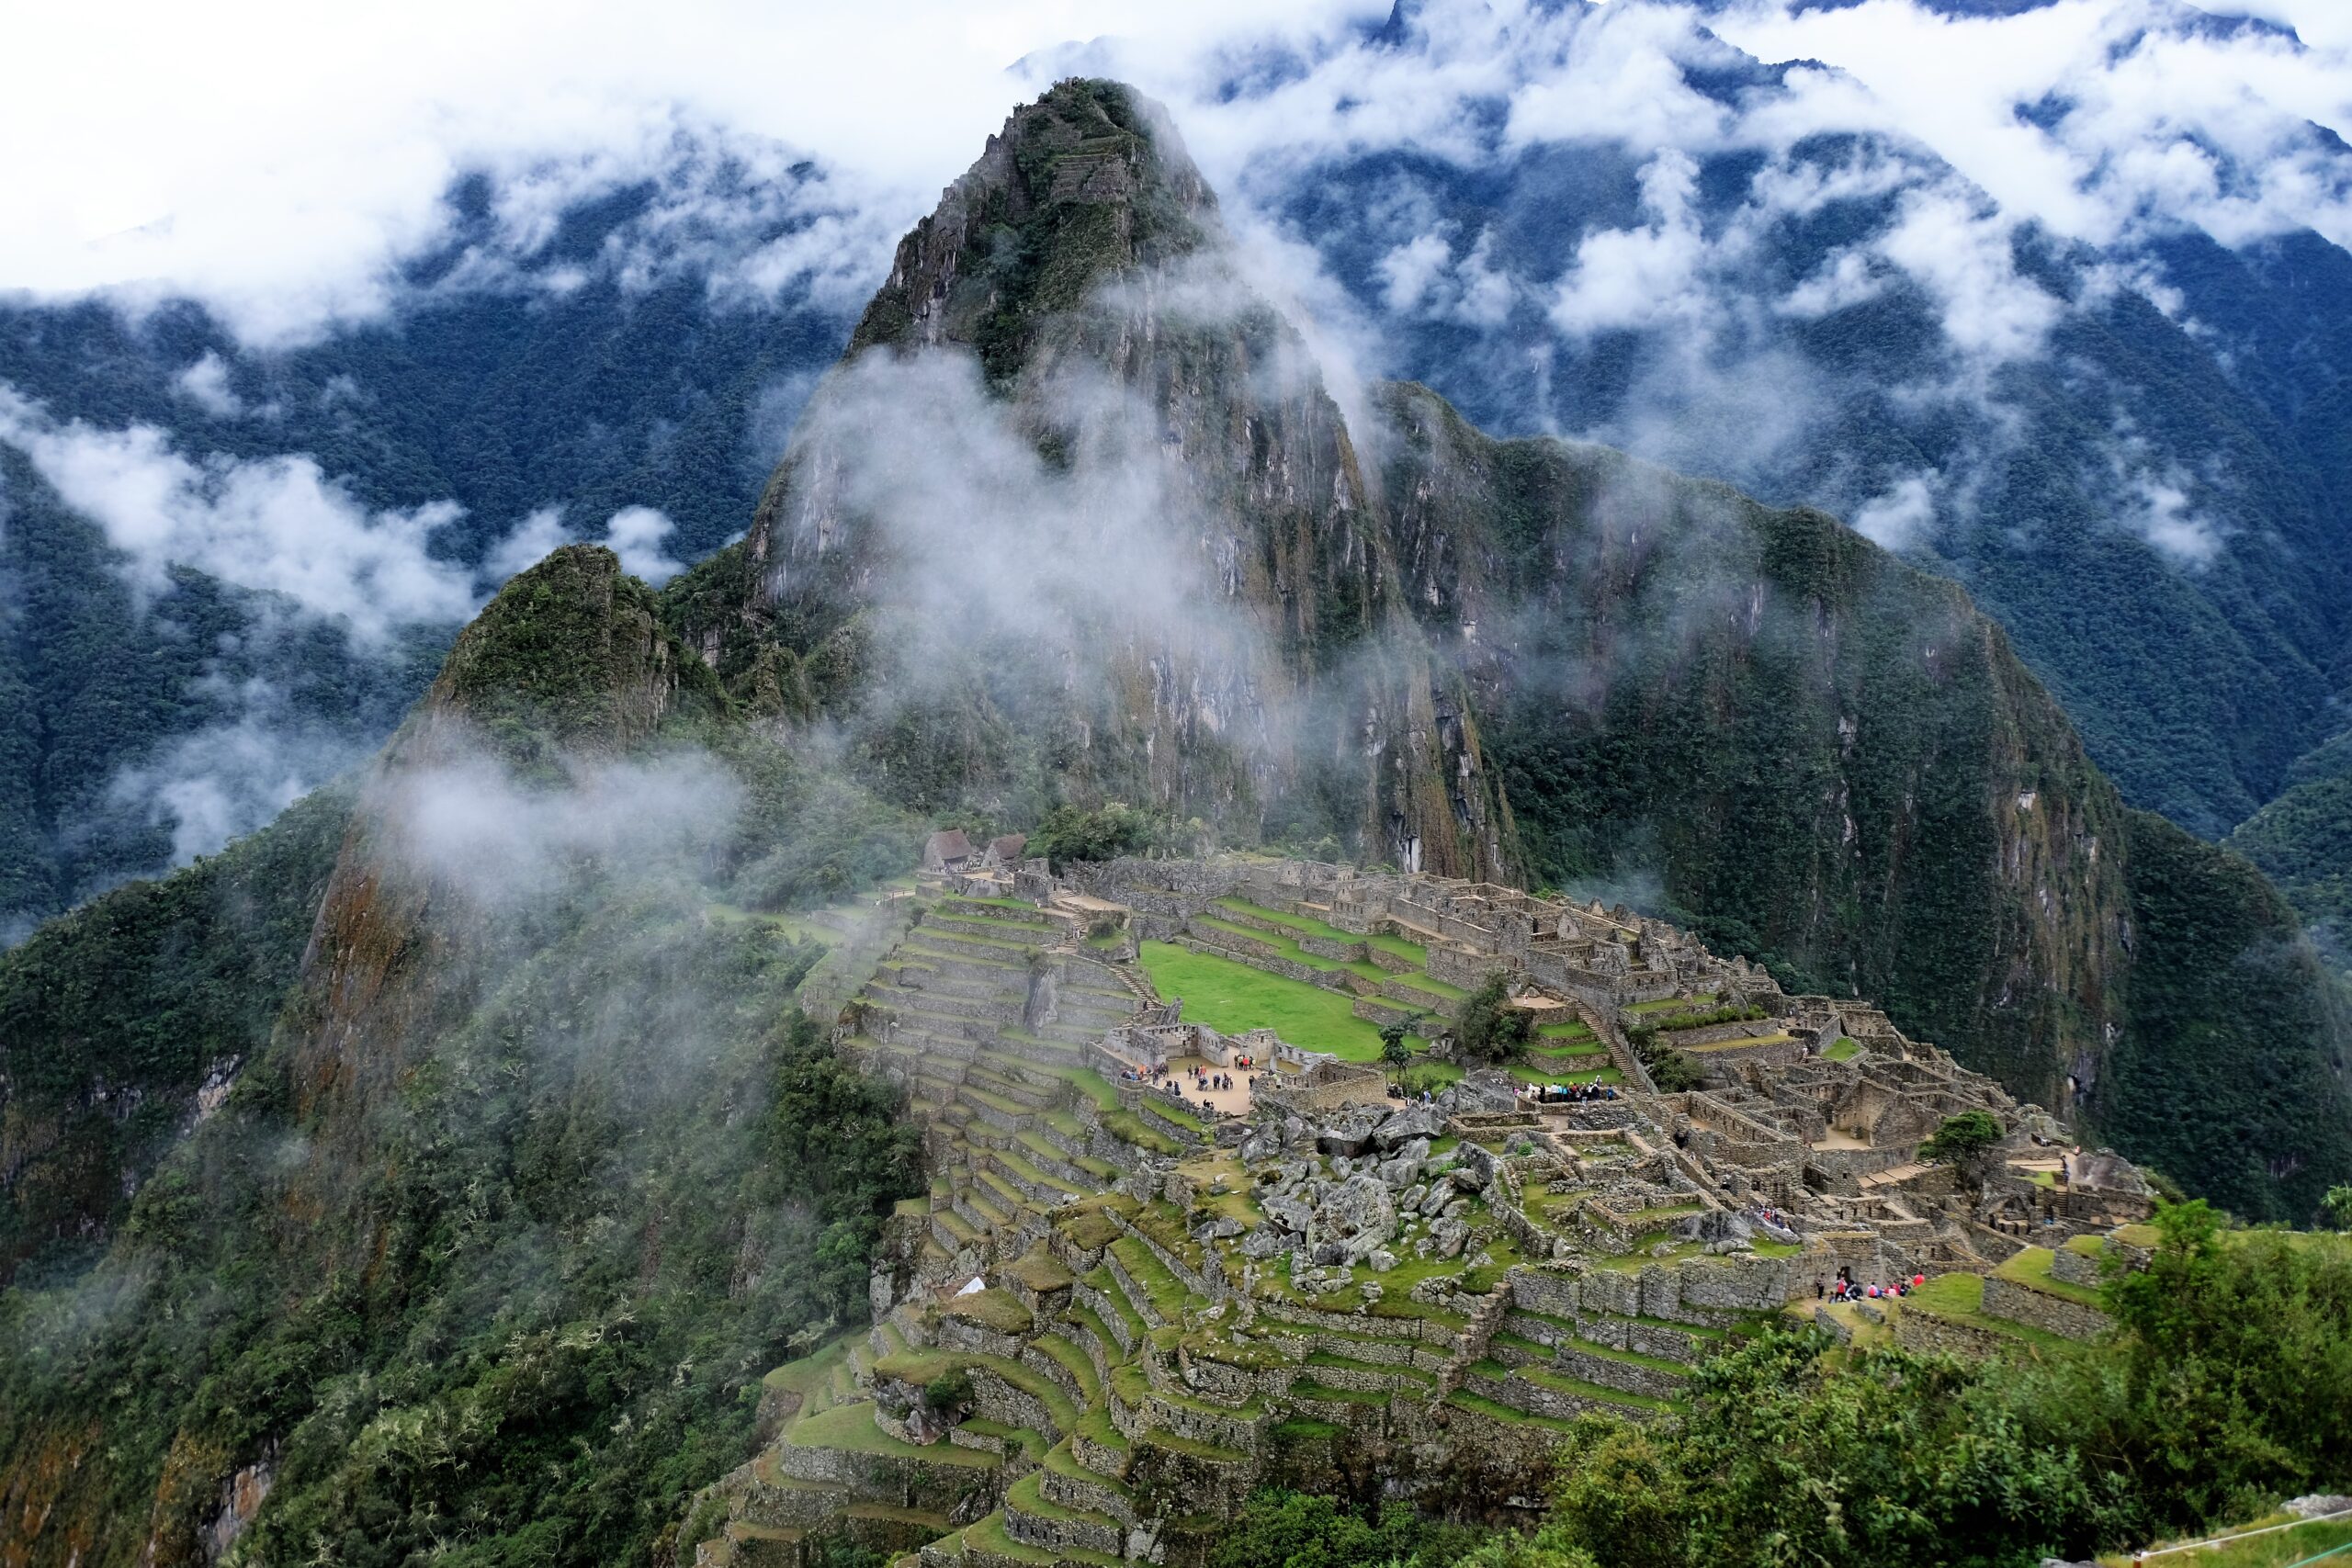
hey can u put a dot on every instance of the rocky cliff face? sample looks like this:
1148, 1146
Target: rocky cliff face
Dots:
1830, 755
1518, 658
1154, 495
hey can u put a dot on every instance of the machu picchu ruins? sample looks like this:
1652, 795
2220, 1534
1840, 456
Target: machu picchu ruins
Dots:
1189, 1234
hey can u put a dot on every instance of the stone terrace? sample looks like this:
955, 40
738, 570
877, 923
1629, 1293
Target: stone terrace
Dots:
1116, 1314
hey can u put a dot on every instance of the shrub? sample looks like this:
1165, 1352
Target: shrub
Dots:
1486, 1028
949, 1391
1069, 834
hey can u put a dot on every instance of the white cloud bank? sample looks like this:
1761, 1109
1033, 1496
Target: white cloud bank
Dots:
280, 524
275, 158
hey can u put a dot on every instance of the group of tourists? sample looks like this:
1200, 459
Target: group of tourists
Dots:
1846, 1289
1566, 1093
1204, 1083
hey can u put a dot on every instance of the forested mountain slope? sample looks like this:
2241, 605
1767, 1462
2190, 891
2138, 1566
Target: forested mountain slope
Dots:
2128, 443
151, 706
525, 1166
534, 1169
1824, 756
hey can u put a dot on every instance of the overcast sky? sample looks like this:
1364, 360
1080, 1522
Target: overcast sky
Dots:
277, 159
272, 155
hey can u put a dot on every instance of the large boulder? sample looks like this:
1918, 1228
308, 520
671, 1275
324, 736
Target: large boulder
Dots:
1423, 1121
1350, 1131
1404, 1168
1289, 1213
1267, 1241
1484, 1090
1359, 1213
1474, 1169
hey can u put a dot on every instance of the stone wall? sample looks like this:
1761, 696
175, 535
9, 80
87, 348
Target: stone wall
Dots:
1072, 1534
2013, 1303
2073, 1268
1917, 1330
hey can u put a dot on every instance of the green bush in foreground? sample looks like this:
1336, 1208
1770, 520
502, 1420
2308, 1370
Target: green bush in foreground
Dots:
2227, 1386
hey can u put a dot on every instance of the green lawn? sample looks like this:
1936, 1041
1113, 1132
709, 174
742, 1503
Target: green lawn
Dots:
1290, 949
852, 1427
1432, 987
1231, 998
1846, 1050
2030, 1268
1960, 1297
1313, 926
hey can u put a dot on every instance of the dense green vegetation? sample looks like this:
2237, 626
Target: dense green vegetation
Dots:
1485, 1024
1963, 1138
94, 675
2303, 842
1070, 833
486, 1265
111, 1017
522, 1329
2227, 1387
2227, 1081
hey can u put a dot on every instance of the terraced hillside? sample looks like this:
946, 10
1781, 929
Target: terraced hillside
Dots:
1120, 1310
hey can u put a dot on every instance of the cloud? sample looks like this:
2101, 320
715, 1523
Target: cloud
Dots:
980, 536
534, 538
205, 383
2141, 119
1899, 517
1634, 277
635, 534
471, 825
2167, 519
153, 153
229, 779
1962, 255
1424, 278
280, 524
1846, 280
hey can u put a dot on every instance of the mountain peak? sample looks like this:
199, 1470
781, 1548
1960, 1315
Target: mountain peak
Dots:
570, 656
1087, 181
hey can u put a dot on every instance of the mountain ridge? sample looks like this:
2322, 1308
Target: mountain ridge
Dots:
537, 1167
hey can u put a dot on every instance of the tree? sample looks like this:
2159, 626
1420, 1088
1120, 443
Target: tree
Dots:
1069, 834
1965, 1140
1393, 1049
2339, 1204
1621, 1496
1486, 1026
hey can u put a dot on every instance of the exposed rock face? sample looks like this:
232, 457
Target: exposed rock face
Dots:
1929, 830
1253, 664
568, 661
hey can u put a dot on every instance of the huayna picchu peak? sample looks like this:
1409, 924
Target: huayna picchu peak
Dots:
1174, 934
